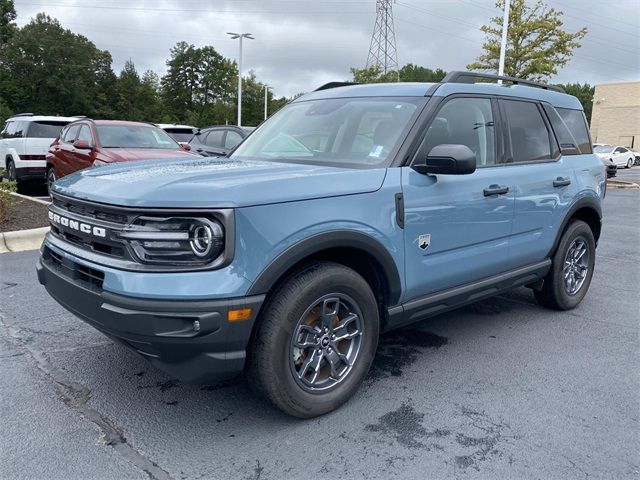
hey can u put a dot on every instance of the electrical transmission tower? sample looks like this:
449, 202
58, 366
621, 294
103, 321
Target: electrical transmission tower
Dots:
382, 52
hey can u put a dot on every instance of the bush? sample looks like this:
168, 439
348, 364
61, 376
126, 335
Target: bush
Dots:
6, 200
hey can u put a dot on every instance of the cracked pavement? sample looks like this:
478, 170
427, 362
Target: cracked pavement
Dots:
499, 389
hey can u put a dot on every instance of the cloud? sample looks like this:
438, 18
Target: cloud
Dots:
301, 44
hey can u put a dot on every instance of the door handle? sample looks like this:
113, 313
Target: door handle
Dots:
495, 190
561, 182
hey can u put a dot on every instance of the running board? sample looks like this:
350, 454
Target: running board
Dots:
443, 301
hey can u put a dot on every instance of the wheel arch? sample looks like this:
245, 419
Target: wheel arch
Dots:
588, 210
356, 250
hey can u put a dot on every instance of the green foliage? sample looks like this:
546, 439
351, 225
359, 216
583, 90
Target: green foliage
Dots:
408, 73
537, 45
49, 69
584, 92
7, 17
5, 111
6, 200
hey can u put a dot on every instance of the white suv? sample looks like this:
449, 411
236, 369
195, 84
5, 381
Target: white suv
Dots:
24, 142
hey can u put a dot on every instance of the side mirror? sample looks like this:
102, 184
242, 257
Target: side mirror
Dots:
185, 146
82, 145
448, 159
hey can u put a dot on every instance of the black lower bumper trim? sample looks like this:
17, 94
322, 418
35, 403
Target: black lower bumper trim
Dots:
190, 340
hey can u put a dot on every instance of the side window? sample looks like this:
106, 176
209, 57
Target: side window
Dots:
214, 139
232, 139
465, 121
85, 134
9, 130
71, 134
530, 140
577, 124
21, 129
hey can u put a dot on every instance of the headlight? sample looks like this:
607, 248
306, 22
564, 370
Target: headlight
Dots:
175, 240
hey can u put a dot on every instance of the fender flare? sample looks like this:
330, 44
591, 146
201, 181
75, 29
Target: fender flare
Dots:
585, 202
323, 241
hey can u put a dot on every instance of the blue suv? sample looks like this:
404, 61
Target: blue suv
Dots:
354, 210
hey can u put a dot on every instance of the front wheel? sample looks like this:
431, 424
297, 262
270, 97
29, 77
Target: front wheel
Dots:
316, 340
572, 266
51, 178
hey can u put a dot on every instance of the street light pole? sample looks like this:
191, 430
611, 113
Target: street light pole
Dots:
503, 42
233, 37
266, 99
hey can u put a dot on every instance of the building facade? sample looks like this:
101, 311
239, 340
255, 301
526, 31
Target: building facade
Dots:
615, 118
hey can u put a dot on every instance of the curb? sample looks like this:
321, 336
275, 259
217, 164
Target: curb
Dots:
37, 200
621, 184
21, 240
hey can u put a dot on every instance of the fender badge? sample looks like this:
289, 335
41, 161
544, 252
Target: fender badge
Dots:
424, 241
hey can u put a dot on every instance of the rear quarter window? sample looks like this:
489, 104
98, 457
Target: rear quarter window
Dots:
577, 124
43, 129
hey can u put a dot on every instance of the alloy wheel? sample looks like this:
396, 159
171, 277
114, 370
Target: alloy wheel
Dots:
576, 266
326, 342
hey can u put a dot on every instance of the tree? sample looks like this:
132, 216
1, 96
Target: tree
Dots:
584, 93
128, 93
537, 45
149, 104
408, 73
50, 70
7, 17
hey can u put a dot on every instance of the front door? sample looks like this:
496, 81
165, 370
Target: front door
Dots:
457, 227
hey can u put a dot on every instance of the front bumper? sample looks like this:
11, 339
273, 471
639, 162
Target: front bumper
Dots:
190, 340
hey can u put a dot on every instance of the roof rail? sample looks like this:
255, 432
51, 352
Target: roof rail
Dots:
329, 85
472, 77
23, 115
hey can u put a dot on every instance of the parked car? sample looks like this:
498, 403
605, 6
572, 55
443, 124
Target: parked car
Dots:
180, 133
618, 155
611, 167
24, 141
218, 141
636, 154
351, 211
85, 143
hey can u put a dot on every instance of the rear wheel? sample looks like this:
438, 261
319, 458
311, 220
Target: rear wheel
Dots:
630, 163
316, 340
569, 278
11, 171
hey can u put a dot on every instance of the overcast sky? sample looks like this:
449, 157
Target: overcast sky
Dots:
301, 44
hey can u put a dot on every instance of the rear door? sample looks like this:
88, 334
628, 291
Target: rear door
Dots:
40, 135
457, 227
544, 181
214, 143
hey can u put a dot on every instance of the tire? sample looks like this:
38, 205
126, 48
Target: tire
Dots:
630, 163
555, 292
11, 171
51, 177
292, 378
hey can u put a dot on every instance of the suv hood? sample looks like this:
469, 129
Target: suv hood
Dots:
207, 183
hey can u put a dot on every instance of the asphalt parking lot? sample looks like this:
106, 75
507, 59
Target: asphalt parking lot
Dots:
500, 389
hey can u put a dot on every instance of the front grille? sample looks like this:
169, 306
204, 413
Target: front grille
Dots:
94, 215
86, 276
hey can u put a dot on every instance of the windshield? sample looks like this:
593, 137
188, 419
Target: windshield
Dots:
603, 149
180, 134
134, 136
44, 129
340, 131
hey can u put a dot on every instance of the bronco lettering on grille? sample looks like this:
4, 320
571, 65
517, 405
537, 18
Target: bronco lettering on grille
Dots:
76, 225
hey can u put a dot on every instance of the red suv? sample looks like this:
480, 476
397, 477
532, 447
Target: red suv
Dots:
89, 142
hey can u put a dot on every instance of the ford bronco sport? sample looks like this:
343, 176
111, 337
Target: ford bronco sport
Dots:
353, 210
